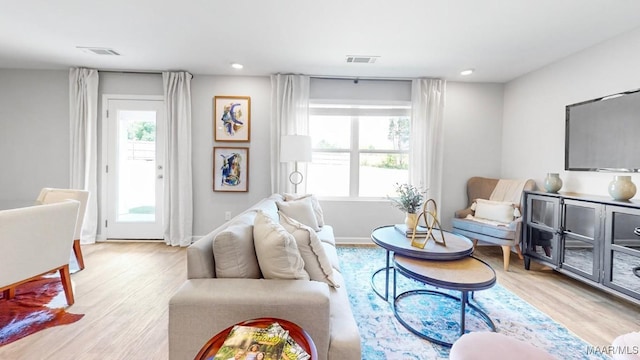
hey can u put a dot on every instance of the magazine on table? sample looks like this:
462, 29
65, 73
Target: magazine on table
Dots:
254, 343
421, 231
292, 350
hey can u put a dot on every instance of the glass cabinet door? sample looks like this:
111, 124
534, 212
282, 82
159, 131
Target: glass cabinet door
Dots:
622, 250
542, 223
582, 239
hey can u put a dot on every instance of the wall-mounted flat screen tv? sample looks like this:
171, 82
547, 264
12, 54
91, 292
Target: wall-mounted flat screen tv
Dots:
604, 134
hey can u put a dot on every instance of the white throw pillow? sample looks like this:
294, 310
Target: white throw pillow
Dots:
500, 211
301, 211
317, 209
234, 253
316, 261
276, 250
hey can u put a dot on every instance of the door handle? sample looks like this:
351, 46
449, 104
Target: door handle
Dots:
159, 176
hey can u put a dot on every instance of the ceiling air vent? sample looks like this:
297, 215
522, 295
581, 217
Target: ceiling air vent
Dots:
98, 51
361, 59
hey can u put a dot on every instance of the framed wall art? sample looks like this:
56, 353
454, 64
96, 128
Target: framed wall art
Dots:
231, 169
232, 118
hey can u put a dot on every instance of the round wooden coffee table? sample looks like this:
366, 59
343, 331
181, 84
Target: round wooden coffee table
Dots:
209, 350
392, 240
466, 275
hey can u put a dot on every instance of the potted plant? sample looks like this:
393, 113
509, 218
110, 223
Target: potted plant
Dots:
409, 200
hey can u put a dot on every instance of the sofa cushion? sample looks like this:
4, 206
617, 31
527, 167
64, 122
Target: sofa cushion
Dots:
300, 210
472, 226
500, 211
315, 204
316, 261
332, 254
234, 252
276, 249
326, 235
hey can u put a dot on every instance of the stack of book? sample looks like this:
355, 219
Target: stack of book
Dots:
421, 231
272, 342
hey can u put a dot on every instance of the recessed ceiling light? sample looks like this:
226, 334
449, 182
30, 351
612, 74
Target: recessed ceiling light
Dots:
237, 66
466, 72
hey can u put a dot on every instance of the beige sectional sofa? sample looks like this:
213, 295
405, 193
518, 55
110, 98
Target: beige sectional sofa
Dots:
225, 285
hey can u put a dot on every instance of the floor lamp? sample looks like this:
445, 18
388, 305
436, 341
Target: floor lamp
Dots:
295, 148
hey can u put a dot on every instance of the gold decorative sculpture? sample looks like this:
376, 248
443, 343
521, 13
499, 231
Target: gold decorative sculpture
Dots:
432, 224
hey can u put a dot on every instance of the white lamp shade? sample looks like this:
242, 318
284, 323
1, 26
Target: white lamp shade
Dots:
295, 148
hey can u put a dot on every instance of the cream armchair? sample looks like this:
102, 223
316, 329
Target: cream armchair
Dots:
494, 225
34, 241
51, 195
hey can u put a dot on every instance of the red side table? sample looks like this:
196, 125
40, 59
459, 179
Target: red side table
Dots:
295, 332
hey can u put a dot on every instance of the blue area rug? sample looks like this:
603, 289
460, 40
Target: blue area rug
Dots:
383, 337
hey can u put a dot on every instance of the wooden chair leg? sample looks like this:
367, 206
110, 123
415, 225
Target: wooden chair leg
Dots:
65, 277
506, 254
519, 252
78, 252
8, 294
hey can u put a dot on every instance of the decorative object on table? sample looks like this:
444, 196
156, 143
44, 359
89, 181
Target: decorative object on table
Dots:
231, 169
232, 118
430, 214
622, 188
295, 148
552, 183
409, 200
419, 231
37, 305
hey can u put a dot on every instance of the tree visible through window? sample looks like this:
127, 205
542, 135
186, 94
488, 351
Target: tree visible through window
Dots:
358, 151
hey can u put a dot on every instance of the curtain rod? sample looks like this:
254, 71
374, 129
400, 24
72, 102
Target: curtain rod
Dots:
364, 78
139, 72
132, 72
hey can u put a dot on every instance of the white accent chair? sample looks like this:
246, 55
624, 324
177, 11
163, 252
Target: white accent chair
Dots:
52, 195
34, 241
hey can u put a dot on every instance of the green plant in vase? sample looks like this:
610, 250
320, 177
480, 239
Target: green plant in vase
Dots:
409, 199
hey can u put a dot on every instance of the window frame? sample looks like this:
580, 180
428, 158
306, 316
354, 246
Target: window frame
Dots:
355, 109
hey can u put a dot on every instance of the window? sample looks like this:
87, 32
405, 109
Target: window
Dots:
359, 150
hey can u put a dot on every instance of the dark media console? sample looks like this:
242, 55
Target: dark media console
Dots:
590, 238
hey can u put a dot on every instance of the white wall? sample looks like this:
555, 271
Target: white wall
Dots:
34, 134
209, 206
473, 132
534, 111
34, 117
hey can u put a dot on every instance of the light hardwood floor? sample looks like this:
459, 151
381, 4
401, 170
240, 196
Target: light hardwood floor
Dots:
125, 289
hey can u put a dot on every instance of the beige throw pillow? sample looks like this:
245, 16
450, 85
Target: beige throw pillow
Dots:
316, 261
315, 204
301, 211
276, 250
500, 211
234, 253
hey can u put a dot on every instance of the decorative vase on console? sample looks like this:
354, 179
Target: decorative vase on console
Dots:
552, 183
622, 188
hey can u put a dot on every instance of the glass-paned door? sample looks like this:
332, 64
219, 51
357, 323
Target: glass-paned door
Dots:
134, 169
622, 250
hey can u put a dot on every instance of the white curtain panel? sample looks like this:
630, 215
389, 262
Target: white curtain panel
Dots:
289, 116
178, 186
83, 111
427, 132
